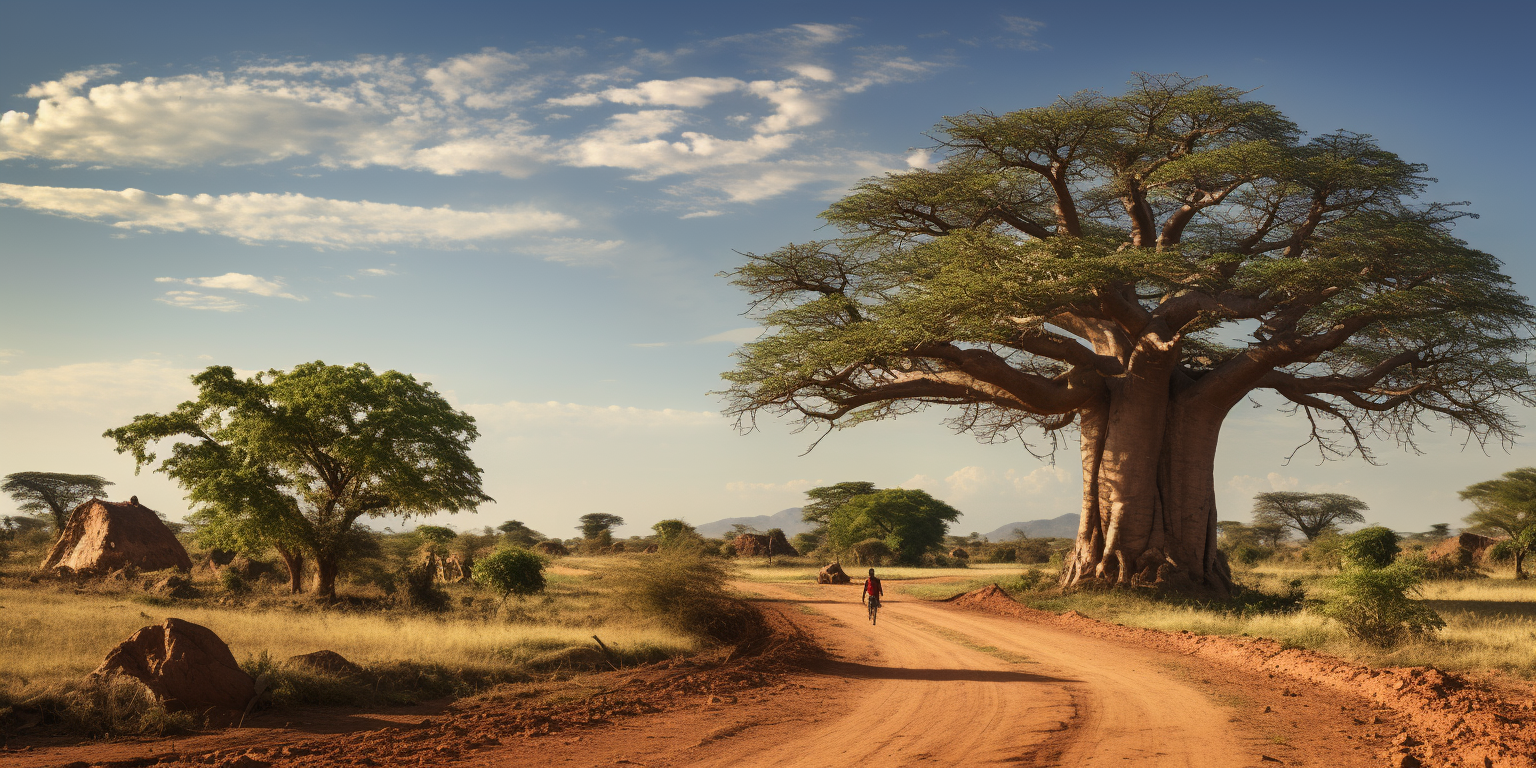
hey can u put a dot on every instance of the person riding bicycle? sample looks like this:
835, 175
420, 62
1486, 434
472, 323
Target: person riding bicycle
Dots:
872, 590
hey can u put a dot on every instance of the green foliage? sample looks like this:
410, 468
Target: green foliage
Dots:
911, 523
870, 552
1027, 581
1172, 209
1374, 604
829, 498
598, 525
1506, 506
671, 533
294, 458
232, 582
1309, 514
53, 493
519, 534
1003, 555
511, 572
806, 542
1373, 547
422, 592
436, 534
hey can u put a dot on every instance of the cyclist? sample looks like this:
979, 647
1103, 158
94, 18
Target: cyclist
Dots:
872, 593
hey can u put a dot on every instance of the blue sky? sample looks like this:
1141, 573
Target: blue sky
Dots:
527, 205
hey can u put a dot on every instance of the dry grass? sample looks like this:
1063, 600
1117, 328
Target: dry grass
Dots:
51, 638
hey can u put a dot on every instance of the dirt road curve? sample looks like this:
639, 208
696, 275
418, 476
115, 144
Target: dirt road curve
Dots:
932, 685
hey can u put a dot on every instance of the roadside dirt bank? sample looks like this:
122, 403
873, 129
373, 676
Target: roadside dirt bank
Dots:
975, 682
1452, 721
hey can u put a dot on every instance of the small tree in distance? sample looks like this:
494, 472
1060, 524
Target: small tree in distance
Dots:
520, 534
671, 533
1309, 514
53, 493
597, 528
909, 523
513, 571
1506, 506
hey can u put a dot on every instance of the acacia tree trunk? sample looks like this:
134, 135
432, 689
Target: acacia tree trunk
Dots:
1149, 497
327, 566
294, 562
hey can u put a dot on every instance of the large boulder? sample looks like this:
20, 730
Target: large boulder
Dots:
833, 574
186, 665
105, 536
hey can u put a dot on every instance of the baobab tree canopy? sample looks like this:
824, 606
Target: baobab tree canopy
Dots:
1130, 267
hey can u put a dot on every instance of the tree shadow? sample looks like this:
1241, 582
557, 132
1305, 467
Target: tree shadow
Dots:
1486, 609
849, 669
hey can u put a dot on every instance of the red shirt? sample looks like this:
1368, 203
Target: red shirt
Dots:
872, 587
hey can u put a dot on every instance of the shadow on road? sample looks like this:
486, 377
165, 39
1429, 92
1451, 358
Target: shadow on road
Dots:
868, 672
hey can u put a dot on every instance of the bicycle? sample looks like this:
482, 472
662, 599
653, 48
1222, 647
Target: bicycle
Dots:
874, 608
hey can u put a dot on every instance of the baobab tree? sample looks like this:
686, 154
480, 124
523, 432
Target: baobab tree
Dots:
1092, 265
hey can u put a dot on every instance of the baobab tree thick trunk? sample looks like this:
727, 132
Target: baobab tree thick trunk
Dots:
1149, 501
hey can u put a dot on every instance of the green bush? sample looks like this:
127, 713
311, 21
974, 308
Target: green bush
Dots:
1003, 555
1373, 547
422, 592
1248, 554
231, 580
1374, 604
1027, 581
511, 571
1033, 551
872, 552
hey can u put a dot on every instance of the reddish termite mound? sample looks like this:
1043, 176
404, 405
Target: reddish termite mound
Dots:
104, 536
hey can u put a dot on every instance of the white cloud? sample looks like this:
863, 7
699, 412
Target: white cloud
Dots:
1274, 481
514, 415
196, 300
1022, 31
702, 214
973, 482
352, 295
885, 66
103, 388
736, 336
287, 217
633, 140
683, 92
377, 272
478, 80
813, 72
235, 281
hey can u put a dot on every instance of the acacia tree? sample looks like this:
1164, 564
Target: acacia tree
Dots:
1506, 506
299, 456
1308, 514
829, 498
1088, 265
55, 494
910, 523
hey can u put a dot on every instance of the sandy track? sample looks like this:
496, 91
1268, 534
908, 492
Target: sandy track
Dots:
933, 684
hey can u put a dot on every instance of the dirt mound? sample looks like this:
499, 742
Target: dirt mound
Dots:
1466, 548
959, 554
325, 661
551, 548
105, 536
833, 573
186, 665
174, 585
761, 545
1463, 723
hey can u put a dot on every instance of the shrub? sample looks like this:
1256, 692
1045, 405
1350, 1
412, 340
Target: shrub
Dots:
231, 580
1248, 554
1027, 581
1003, 555
1373, 547
1325, 550
872, 552
1373, 604
422, 592
686, 591
1033, 551
511, 572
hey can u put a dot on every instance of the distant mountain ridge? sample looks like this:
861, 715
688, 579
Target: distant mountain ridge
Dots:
1064, 527
787, 519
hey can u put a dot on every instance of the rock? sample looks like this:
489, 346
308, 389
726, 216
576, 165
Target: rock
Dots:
186, 665
326, 661
175, 586
833, 574
104, 536
1404, 760
959, 554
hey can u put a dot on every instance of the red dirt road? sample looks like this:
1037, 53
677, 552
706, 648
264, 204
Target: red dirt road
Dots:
932, 684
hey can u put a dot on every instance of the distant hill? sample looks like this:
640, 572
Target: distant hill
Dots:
789, 520
1064, 527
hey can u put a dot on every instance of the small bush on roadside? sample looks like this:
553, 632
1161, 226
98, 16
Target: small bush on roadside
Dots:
512, 571
1027, 581
686, 591
1373, 547
1374, 604
1248, 554
111, 706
